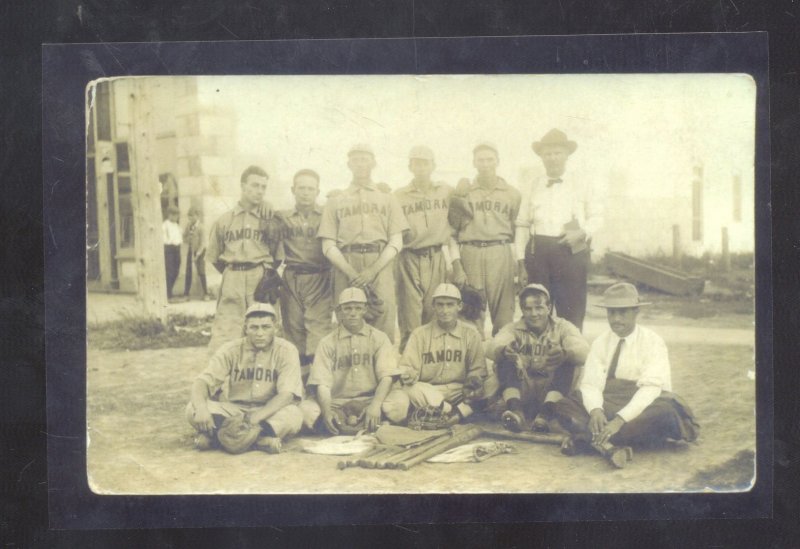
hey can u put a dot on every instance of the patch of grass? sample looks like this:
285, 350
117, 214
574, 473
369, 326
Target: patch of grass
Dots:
133, 332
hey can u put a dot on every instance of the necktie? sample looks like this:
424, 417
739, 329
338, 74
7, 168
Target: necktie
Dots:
551, 182
612, 371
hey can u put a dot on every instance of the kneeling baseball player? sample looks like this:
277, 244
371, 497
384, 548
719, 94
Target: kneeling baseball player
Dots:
246, 397
354, 374
443, 365
536, 358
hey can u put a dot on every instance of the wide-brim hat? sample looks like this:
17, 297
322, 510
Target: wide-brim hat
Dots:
352, 295
554, 138
621, 296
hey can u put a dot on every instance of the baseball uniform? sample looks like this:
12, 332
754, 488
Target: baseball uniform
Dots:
245, 378
352, 365
532, 386
307, 293
421, 265
486, 251
361, 220
440, 361
240, 246
195, 237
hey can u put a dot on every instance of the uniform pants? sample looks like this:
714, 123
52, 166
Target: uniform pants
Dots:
172, 264
533, 389
422, 394
200, 264
235, 296
383, 285
491, 269
562, 273
285, 422
667, 417
307, 308
417, 277
394, 407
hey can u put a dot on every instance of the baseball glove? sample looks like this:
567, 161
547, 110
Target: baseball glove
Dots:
350, 416
459, 212
473, 388
374, 304
431, 418
237, 434
473, 301
268, 288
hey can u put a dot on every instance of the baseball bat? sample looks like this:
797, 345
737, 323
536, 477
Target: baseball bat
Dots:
458, 438
352, 461
369, 463
392, 462
538, 438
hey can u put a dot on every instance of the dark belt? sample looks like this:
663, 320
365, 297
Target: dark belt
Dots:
243, 266
427, 250
486, 243
307, 269
362, 248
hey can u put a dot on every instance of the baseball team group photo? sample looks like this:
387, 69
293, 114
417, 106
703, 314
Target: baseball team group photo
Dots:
421, 284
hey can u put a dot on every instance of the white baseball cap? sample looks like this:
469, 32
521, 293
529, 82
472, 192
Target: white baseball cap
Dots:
260, 308
447, 290
352, 295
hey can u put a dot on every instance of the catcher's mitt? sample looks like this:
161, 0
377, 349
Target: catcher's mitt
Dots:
268, 288
374, 304
431, 418
459, 212
350, 417
473, 388
474, 302
237, 434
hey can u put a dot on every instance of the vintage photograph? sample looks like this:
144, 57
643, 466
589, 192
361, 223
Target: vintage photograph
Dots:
400, 284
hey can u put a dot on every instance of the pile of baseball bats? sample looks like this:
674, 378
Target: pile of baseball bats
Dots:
403, 458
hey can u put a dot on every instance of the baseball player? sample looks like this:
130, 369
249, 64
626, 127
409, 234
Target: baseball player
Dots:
422, 264
557, 219
485, 240
306, 296
355, 362
195, 237
362, 231
240, 247
257, 375
624, 396
535, 358
443, 364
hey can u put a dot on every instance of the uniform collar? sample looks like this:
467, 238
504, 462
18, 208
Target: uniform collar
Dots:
520, 325
240, 209
437, 330
628, 338
344, 332
500, 184
353, 188
249, 346
411, 188
317, 209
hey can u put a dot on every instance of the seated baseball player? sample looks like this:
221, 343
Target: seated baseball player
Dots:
354, 374
535, 358
257, 377
443, 365
624, 396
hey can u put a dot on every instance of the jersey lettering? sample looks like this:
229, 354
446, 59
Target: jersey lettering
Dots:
445, 355
257, 374
356, 359
425, 205
364, 208
489, 205
245, 234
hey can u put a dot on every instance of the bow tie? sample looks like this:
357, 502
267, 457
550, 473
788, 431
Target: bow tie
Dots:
551, 182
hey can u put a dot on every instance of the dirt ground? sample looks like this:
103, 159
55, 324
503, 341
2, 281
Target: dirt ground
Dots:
139, 441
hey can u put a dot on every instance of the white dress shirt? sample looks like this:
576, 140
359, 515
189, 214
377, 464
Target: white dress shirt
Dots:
643, 359
172, 233
545, 210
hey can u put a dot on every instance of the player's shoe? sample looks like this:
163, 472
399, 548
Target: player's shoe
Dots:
540, 424
514, 421
270, 445
202, 442
620, 456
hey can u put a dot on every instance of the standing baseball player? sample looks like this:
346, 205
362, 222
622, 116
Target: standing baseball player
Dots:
535, 358
195, 238
307, 293
422, 264
257, 376
240, 247
443, 365
485, 239
354, 369
557, 219
624, 396
362, 231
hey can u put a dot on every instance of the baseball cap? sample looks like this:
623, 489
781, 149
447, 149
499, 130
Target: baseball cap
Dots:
421, 152
447, 290
260, 308
361, 148
485, 145
352, 295
532, 288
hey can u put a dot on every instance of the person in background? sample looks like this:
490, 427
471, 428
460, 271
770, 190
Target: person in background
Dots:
172, 247
195, 238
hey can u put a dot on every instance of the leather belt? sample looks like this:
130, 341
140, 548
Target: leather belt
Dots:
243, 266
427, 250
486, 243
373, 248
307, 269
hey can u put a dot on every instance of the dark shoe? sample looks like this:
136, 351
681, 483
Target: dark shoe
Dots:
568, 447
540, 424
270, 445
619, 457
513, 421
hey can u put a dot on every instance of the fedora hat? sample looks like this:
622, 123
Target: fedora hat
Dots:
554, 137
621, 296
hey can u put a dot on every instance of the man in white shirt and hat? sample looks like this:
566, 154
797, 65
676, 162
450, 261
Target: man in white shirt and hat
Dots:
624, 398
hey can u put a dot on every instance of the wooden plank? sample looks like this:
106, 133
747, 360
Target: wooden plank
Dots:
662, 278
